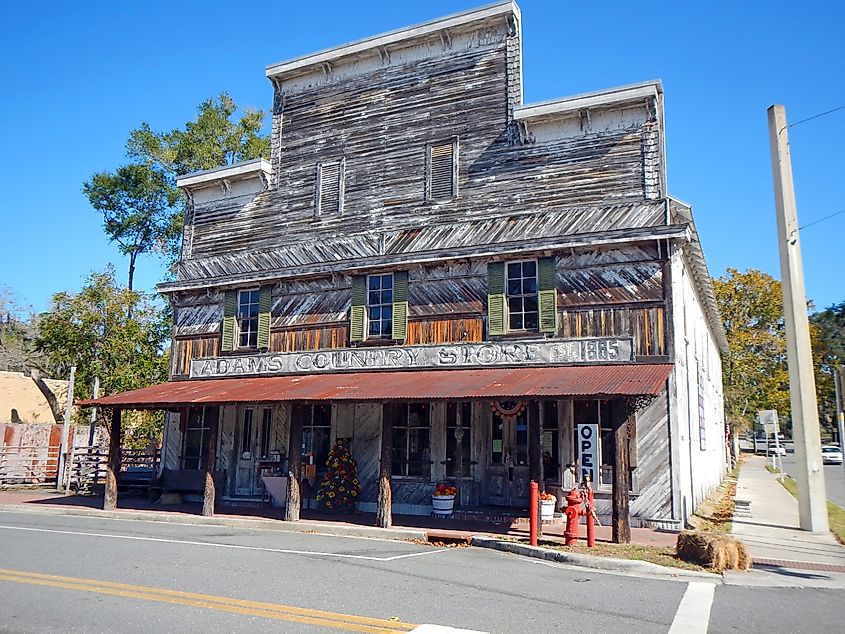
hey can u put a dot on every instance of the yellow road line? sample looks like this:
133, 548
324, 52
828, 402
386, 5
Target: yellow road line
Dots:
347, 622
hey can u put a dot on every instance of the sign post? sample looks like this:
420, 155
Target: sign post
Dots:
589, 456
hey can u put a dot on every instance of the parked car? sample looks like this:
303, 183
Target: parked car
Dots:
777, 449
831, 454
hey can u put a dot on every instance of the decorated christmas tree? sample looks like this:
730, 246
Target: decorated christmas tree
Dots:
339, 488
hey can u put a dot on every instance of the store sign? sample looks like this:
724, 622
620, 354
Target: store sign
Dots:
465, 355
589, 452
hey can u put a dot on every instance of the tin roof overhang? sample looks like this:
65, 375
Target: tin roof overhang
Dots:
486, 383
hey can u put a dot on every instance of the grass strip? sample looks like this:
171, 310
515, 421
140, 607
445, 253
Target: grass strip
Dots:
835, 513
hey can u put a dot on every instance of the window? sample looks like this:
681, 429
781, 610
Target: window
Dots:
458, 439
246, 435
266, 431
522, 295
411, 436
195, 439
442, 171
551, 454
330, 186
248, 318
316, 435
380, 305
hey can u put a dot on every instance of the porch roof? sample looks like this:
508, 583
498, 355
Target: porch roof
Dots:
487, 383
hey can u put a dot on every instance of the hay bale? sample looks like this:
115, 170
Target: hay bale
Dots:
718, 552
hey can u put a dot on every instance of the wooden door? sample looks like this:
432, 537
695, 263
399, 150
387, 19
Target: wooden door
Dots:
507, 471
246, 453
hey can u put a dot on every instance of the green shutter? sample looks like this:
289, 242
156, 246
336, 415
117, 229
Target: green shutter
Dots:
230, 307
400, 305
496, 298
264, 303
358, 311
547, 294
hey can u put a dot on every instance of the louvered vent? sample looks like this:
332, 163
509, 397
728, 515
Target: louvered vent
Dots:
441, 171
330, 188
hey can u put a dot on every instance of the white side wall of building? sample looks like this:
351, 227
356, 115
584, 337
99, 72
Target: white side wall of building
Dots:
696, 397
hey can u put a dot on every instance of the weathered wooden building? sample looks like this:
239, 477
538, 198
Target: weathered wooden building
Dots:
429, 265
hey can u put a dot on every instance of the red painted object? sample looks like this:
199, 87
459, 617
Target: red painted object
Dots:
533, 511
573, 512
591, 517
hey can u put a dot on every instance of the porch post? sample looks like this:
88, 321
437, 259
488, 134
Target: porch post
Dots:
292, 503
113, 464
535, 449
384, 510
621, 472
209, 498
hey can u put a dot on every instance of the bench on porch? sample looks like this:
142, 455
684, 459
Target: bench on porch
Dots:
191, 481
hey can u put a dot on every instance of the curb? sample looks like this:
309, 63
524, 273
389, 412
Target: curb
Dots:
591, 561
392, 534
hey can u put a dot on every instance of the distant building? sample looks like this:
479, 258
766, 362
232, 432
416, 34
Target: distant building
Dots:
485, 277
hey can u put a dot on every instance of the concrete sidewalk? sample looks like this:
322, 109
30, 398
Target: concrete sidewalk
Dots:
772, 533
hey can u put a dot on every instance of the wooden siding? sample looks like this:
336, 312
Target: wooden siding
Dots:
183, 350
646, 325
652, 476
324, 337
433, 331
379, 120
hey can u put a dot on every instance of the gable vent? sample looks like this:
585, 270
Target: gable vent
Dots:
330, 178
442, 171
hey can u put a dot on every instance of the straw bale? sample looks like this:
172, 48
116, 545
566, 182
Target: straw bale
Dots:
716, 551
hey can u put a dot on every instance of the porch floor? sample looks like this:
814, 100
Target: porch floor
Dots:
511, 525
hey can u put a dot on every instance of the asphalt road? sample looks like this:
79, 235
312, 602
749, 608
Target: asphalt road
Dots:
79, 574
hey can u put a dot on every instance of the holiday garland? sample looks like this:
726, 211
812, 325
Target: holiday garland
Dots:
339, 488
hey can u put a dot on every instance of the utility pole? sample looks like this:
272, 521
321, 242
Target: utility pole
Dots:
812, 502
840, 406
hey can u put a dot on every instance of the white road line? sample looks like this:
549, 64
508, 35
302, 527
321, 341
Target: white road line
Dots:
427, 628
213, 545
693, 615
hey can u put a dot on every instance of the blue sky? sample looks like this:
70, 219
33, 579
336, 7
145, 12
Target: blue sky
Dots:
77, 77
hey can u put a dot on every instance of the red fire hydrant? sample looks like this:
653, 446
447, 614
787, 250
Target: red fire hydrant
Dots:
573, 512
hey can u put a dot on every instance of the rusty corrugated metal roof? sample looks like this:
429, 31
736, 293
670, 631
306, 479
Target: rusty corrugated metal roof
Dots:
488, 383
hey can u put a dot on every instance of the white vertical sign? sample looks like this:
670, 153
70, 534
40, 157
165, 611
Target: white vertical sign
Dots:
589, 457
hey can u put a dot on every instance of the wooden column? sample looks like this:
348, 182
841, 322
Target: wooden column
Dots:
384, 509
293, 502
209, 498
535, 448
113, 464
621, 473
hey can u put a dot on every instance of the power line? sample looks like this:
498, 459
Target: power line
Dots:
816, 116
815, 222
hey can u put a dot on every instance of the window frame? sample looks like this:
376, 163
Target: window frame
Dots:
308, 435
239, 319
459, 416
429, 179
319, 212
204, 428
385, 332
522, 296
400, 455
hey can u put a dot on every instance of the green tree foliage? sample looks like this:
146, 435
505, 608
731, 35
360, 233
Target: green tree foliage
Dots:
143, 210
17, 336
217, 137
112, 333
828, 330
755, 370
137, 203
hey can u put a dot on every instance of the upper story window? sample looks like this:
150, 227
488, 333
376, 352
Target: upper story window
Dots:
330, 188
442, 171
522, 295
380, 305
248, 318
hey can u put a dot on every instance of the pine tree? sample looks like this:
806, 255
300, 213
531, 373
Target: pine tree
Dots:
339, 488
